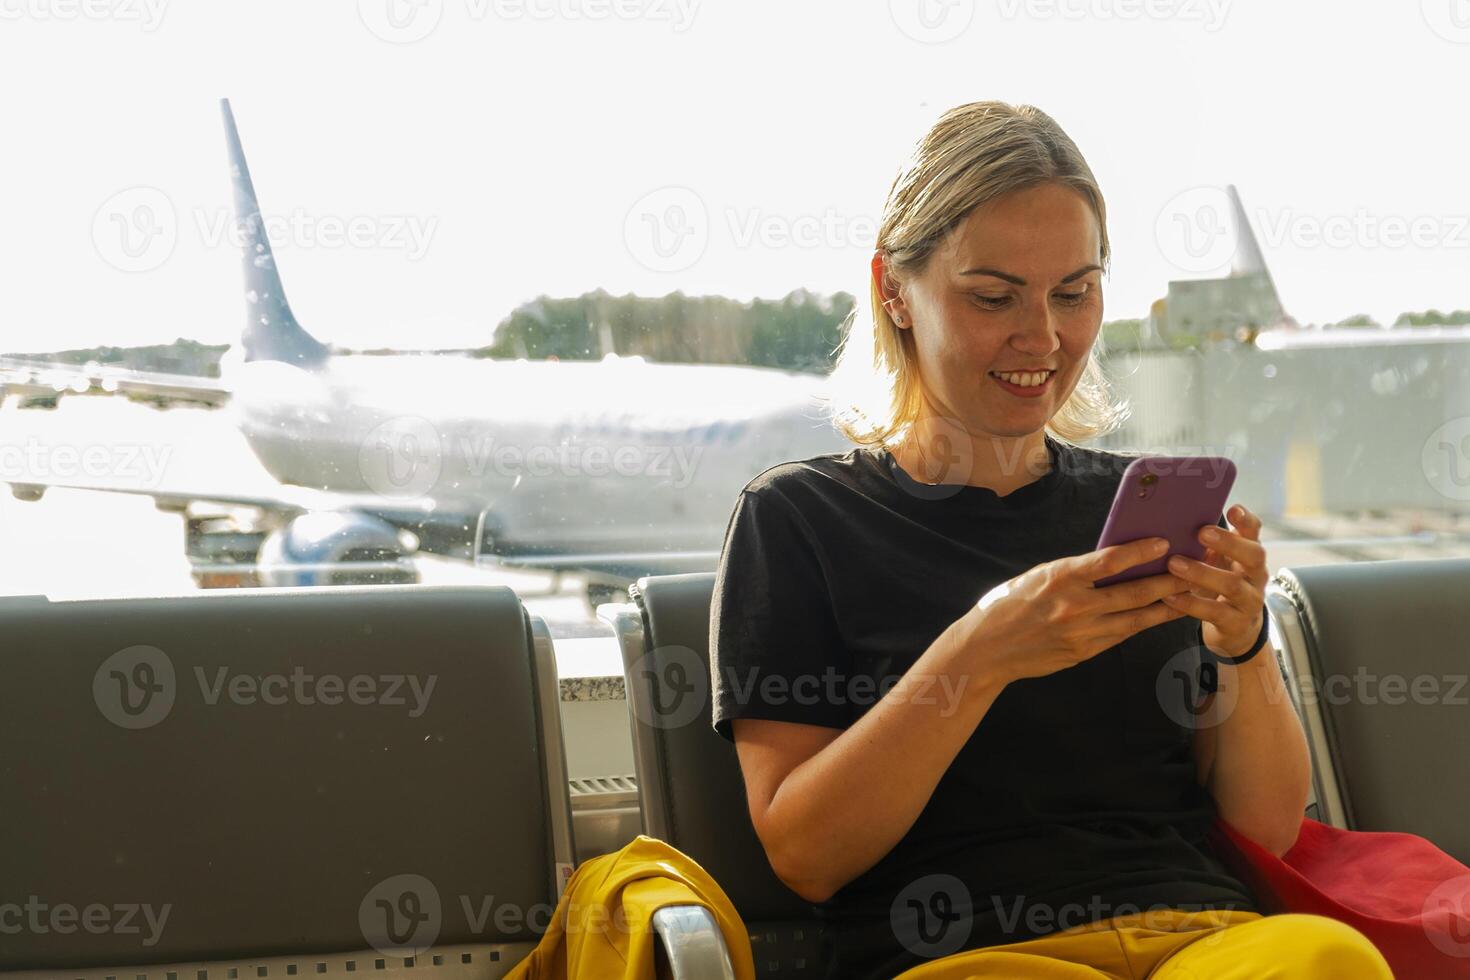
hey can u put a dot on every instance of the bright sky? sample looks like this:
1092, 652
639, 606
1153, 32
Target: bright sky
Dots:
433, 163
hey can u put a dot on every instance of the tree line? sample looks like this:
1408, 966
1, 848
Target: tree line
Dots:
799, 332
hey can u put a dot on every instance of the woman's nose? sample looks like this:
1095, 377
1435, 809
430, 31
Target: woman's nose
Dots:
1036, 335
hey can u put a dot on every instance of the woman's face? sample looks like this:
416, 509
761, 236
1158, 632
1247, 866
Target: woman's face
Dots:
1016, 288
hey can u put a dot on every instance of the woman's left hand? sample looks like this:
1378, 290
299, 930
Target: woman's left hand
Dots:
1229, 586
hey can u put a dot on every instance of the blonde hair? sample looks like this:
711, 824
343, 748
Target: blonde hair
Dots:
975, 153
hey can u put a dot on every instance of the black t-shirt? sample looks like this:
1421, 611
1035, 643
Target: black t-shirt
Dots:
1075, 799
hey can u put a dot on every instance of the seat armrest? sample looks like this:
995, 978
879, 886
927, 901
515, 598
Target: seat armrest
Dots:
1289, 637
693, 942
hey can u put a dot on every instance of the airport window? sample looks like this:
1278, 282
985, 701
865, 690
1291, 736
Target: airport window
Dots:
567, 444
172, 422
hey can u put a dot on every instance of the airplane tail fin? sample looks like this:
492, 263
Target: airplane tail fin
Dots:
1248, 262
271, 331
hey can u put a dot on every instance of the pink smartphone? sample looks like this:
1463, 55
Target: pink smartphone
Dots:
1166, 497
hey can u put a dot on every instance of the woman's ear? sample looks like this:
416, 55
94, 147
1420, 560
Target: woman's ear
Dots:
892, 299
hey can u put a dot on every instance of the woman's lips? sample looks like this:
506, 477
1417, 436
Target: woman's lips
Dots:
1033, 391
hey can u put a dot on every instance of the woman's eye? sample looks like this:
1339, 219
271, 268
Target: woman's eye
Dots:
1071, 299
992, 302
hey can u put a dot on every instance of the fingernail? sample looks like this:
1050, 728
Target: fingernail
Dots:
1210, 533
1177, 564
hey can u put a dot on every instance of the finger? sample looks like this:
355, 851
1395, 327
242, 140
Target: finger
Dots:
1205, 610
1119, 557
1138, 593
1230, 585
1216, 560
1232, 545
1214, 557
1224, 615
1247, 523
1253, 567
1119, 626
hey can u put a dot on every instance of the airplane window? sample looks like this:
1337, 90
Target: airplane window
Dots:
528, 299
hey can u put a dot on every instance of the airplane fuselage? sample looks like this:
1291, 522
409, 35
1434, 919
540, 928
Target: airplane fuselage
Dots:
571, 457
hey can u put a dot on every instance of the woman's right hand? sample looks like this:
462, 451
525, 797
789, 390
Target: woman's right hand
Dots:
1052, 617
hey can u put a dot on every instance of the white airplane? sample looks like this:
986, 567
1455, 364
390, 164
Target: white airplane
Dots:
616, 468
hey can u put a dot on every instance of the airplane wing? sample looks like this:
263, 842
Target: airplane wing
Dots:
418, 515
31, 378
617, 567
282, 499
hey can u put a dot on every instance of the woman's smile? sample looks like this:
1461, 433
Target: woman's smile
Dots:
1024, 384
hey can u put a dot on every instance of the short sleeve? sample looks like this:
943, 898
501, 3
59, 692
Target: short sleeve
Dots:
775, 650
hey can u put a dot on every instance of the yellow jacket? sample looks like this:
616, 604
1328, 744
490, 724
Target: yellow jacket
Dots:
603, 928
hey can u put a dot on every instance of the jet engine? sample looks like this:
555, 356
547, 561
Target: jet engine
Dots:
337, 548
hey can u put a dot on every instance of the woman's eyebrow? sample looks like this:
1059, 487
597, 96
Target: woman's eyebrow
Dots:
1021, 282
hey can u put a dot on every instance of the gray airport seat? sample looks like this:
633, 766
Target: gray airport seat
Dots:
692, 792
1355, 638
162, 754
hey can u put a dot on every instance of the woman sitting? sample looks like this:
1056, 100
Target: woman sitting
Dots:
951, 740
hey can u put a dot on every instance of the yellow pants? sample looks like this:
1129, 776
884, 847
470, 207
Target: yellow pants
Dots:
1172, 944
